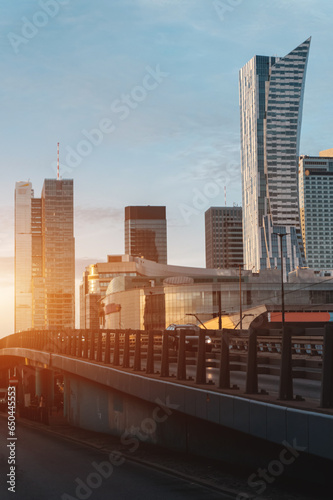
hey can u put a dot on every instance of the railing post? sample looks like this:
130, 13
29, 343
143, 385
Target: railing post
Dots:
92, 345
150, 353
286, 375
137, 352
126, 350
107, 348
86, 346
252, 366
200, 377
326, 393
74, 344
115, 360
181, 362
224, 375
62, 343
99, 347
165, 354
69, 344
79, 344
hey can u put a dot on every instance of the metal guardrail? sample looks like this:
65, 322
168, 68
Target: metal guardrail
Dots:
127, 349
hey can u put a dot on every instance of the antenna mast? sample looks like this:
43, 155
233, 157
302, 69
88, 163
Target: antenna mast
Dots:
58, 173
225, 195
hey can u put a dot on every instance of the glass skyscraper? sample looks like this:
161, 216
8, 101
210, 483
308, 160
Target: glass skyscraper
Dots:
271, 100
44, 256
146, 233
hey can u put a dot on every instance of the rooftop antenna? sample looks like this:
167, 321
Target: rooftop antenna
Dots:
58, 176
225, 195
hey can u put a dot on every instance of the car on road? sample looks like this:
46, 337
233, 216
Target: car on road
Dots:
191, 338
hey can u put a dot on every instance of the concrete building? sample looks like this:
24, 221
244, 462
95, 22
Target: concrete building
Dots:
271, 100
316, 208
44, 256
95, 281
161, 294
146, 233
224, 237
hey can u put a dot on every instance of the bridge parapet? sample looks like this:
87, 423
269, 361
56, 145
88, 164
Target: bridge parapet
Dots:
128, 349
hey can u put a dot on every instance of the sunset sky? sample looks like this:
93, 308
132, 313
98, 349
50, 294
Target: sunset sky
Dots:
143, 97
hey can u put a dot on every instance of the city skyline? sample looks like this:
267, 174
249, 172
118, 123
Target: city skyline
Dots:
177, 139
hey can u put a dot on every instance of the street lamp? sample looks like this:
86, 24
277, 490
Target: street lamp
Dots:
240, 298
286, 381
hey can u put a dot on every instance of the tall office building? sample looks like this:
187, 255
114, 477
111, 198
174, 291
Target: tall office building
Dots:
44, 256
271, 100
224, 237
23, 256
146, 233
316, 208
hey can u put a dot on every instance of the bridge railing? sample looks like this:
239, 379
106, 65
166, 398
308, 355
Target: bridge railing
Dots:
153, 352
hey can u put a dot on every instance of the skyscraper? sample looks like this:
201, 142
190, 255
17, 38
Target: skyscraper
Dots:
23, 256
44, 256
271, 100
316, 208
146, 233
224, 237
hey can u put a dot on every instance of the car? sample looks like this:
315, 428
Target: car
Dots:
191, 338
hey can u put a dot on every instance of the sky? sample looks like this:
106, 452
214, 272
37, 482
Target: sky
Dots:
142, 96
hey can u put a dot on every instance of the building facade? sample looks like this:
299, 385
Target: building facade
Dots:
161, 295
316, 208
224, 237
95, 281
44, 256
271, 100
146, 233
23, 256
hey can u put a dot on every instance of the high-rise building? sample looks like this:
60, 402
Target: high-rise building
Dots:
23, 256
224, 237
146, 233
271, 100
44, 256
316, 208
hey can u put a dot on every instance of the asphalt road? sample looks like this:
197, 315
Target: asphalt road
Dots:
50, 468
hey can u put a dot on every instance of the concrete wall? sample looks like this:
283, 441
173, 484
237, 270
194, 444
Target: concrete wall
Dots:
113, 400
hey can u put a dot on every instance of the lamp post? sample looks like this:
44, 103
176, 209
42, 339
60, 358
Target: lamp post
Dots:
240, 298
286, 381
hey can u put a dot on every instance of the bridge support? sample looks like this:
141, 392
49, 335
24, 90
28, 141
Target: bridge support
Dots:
326, 395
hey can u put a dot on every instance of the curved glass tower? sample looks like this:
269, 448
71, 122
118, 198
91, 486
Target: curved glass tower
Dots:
271, 100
